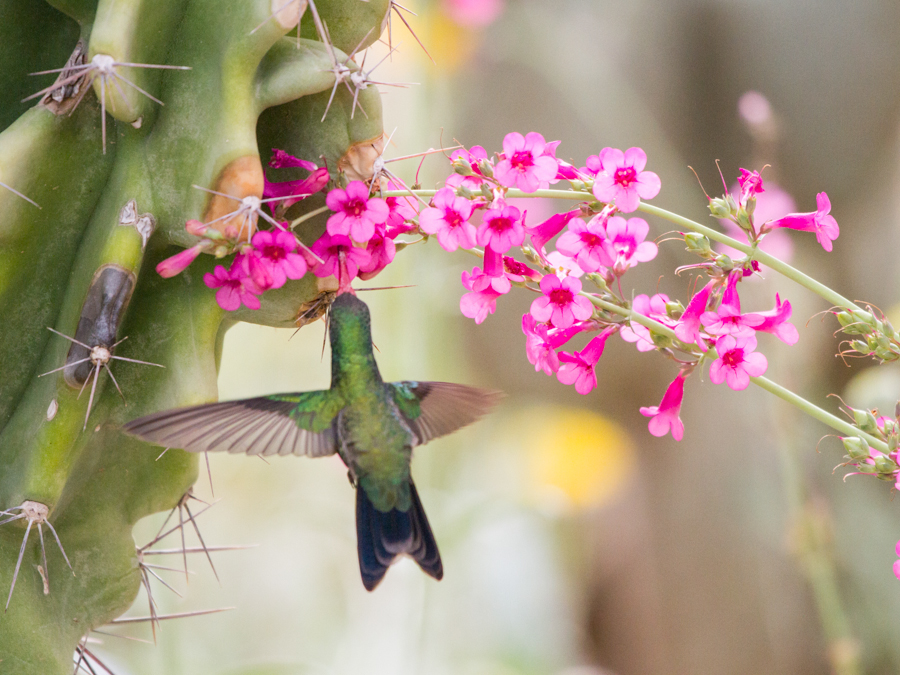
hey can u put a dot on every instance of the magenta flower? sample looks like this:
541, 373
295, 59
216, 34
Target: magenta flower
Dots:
493, 277
560, 302
293, 191
449, 220
897, 562
775, 321
274, 259
501, 229
819, 221
737, 362
583, 242
728, 321
652, 307
356, 215
750, 185
401, 210
773, 203
235, 286
688, 328
340, 258
523, 163
542, 341
478, 305
180, 261
665, 416
625, 243
545, 231
578, 368
381, 250
519, 272
623, 179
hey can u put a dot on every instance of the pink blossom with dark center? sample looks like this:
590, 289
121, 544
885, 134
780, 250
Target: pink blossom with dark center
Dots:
688, 328
356, 214
235, 286
583, 241
501, 229
492, 277
274, 260
478, 305
737, 362
519, 272
560, 302
542, 341
401, 210
750, 185
775, 321
819, 221
449, 220
623, 179
625, 243
666, 416
773, 203
381, 250
340, 258
727, 321
523, 164
578, 368
652, 307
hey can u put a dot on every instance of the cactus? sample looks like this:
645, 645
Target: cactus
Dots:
109, 156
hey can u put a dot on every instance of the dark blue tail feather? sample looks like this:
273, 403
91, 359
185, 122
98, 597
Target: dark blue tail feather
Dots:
381, 537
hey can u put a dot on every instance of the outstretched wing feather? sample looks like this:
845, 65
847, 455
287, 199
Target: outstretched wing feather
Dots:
434, 409
267, 425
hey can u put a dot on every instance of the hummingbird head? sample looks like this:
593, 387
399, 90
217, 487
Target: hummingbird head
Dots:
349, 320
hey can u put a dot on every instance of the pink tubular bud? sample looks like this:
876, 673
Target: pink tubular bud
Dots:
180, 261
196, 228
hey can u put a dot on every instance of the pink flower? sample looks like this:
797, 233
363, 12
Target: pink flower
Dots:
381, 250
519, 272
625, 243
356, 215
652, 307
897, 562
773, 203
578, 368
340, 257
775, 321
493, 275
293, 191
501, 229
478, 305
623, 179
726, 321
401, 210
180, 261
542, 341
473, 13
750, 185
819, 221
544, 232
584, 243
561, 303
737, 362
235, 286
665, 416
273, 260
688, 328
449, 220
523, 163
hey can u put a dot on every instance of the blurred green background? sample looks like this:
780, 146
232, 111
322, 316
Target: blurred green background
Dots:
573, 541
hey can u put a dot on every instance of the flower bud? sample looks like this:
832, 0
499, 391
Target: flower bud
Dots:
720, 208
486, 192
698, 243
860, 347
598, 281
196, 228
462, 167
531, 255
464, 192
865, 420
724, 262
856, 447
884, 464
579, 185
486, 168
674, 309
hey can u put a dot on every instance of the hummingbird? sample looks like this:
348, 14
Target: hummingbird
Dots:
371, 424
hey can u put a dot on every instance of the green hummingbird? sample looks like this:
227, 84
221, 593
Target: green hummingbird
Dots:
373, 426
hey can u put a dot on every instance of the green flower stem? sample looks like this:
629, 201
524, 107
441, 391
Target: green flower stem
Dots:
770, 261
785, 394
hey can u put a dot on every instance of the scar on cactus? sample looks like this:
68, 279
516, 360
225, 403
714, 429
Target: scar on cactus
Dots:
145, 223
35, 514
81, 76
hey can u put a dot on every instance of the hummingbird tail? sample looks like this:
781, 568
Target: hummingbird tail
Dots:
381, 537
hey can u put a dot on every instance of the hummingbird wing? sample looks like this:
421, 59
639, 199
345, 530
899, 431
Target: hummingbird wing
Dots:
434, 409
280, 424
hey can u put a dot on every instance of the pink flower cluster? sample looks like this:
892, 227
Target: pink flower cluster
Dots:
358, 240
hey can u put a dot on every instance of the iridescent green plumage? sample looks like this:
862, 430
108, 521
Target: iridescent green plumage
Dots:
371, 424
